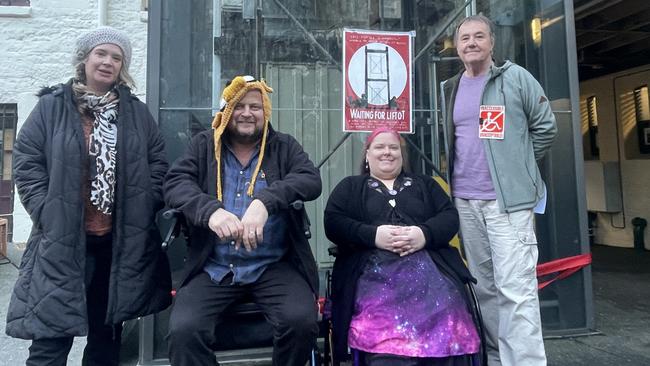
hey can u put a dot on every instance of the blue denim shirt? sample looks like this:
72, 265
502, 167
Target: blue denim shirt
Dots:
246, 267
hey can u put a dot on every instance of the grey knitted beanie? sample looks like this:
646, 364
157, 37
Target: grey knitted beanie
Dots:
102, 35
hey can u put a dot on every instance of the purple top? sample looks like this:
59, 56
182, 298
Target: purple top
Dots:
471, 176
404, 305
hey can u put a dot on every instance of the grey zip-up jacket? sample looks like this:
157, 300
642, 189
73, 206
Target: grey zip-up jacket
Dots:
529, 132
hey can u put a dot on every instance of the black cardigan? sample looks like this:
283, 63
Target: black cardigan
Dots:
349, 228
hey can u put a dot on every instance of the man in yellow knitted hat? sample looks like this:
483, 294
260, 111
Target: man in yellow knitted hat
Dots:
234, 186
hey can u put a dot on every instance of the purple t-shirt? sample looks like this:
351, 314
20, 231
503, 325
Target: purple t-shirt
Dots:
471, 177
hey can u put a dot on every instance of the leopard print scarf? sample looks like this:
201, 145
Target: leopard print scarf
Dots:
102, 145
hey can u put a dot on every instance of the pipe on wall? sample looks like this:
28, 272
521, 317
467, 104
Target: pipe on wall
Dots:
102, 12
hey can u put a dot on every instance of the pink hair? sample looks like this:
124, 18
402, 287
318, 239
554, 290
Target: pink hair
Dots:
377, 131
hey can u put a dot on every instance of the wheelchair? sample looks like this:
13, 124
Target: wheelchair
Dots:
253, 340
356, 357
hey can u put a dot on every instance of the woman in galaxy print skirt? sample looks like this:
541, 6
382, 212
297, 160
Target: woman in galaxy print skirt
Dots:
397, 285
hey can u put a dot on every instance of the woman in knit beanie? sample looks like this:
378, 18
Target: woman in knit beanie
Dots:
86, 52
88, 165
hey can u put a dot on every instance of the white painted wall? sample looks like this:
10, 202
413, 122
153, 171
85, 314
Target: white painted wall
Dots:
616, 106
36, 50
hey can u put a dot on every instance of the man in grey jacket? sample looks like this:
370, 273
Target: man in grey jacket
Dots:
498, 124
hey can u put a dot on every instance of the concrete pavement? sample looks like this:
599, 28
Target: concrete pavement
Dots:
621, 284
621, 280
14, 352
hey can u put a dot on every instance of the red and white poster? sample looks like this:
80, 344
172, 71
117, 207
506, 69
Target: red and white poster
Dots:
492, 120
377, 80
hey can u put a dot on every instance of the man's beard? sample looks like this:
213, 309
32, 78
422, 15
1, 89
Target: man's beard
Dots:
245, 139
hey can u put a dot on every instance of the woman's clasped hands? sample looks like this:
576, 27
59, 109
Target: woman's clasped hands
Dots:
402, 240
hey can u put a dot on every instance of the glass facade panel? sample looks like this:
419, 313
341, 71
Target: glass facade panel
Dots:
186, 54
296, 46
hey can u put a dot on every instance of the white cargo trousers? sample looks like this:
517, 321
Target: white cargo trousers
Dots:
501, 251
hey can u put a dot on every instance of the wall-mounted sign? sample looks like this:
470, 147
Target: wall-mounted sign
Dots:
377, 80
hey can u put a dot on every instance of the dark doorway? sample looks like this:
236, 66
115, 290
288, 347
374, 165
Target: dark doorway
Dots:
8, 119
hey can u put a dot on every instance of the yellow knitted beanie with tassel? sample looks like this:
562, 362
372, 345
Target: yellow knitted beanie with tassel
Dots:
232, 94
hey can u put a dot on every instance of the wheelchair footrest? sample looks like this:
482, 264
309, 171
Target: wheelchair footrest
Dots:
249, 356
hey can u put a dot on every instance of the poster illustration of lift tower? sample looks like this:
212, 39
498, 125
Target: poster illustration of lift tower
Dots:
377, 80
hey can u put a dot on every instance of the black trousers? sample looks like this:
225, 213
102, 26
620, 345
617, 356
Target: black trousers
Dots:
283, 296
103, 341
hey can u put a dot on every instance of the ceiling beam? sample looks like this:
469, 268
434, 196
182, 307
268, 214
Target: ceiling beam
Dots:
639, 47
591, 39
613, 31
587, 37
613, 14
618, 42
635, 22
609, 61
592, 7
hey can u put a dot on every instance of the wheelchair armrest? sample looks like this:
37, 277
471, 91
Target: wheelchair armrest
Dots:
171, 213
299, 205
177, 223
333, 250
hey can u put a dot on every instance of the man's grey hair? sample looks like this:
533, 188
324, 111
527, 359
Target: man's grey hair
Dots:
476, 18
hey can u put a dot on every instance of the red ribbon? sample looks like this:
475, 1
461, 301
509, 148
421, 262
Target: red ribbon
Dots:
565, 266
